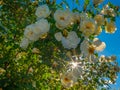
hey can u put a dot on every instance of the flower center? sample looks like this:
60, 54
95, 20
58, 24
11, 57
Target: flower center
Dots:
65, 33
62, 18
88, 25
91, 49
30, 33
66, 79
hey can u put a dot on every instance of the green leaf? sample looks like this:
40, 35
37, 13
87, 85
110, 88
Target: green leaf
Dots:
86, 3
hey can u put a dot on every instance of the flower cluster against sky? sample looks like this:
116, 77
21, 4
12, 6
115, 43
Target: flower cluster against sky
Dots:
112, 40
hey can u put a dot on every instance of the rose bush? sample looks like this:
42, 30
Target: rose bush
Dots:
47, 46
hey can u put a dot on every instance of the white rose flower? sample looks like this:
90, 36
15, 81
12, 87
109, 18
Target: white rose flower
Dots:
30, 33
88, 27
99, 46
41, 27
88, 49
42, 11
71, 41
58, 36
68, 79
63, 18
110, 27
99, 19
24, 43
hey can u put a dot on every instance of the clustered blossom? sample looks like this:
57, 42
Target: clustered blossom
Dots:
86, 27
34, 31
64, 19
108, 11
107, 58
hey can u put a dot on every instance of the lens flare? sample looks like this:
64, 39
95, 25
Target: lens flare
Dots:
74, 64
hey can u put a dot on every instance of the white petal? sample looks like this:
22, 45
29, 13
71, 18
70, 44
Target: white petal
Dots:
100, 46
58, 36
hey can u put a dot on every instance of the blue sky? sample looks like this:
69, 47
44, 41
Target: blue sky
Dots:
112, 40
